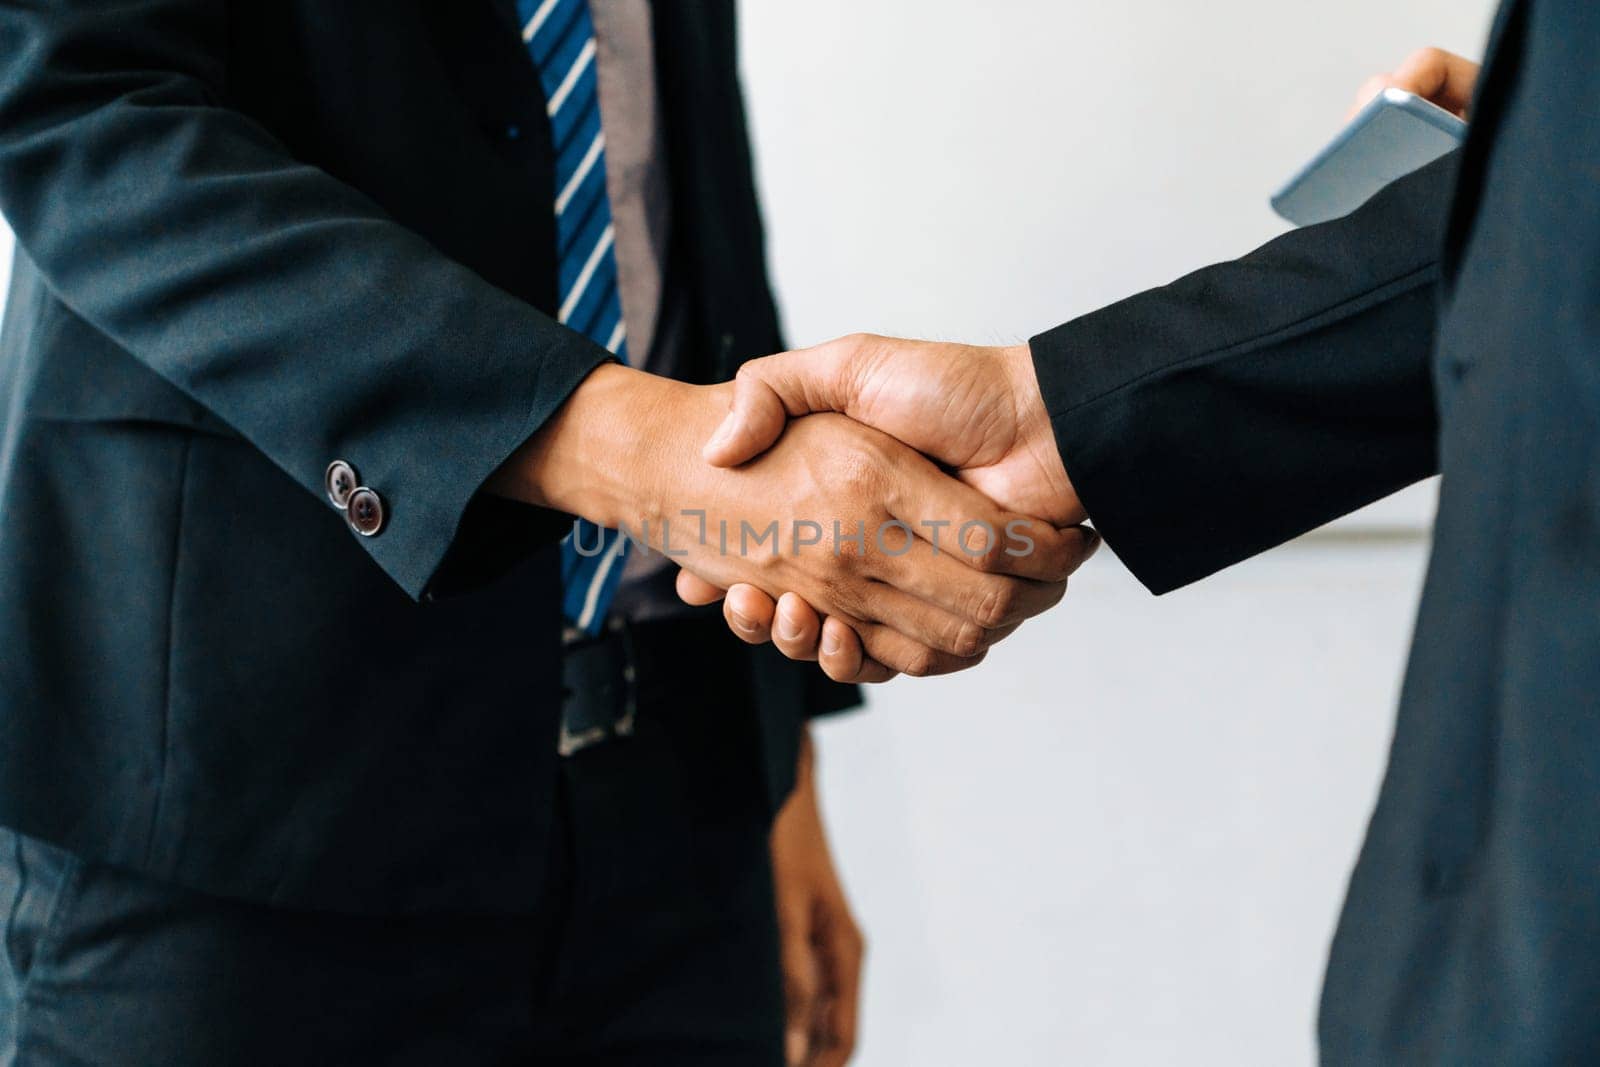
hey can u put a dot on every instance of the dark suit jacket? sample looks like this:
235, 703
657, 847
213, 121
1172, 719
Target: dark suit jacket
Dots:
1252, 401
253, 237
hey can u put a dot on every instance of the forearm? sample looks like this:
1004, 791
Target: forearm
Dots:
1249, 402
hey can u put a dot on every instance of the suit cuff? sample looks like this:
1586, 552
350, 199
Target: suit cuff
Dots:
441, 534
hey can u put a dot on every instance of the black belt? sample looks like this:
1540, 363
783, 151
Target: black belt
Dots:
650, 667
606, 679
599, 686
681, 689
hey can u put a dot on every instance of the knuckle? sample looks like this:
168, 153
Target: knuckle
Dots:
1054, 556
862, 342
999, 604
984, 550
766, 563
968, 639
920, 663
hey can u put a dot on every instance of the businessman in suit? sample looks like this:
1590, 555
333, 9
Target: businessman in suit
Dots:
1450, 325
318, 742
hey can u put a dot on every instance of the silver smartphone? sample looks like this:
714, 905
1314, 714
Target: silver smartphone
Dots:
1395, 134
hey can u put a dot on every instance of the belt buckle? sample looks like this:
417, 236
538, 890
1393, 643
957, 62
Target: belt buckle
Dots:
572, 742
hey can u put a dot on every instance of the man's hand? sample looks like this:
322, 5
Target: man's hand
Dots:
624, 451
976, 410
1437, 76
822, 946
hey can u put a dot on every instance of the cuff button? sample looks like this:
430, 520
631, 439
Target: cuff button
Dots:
340, 480
365, 513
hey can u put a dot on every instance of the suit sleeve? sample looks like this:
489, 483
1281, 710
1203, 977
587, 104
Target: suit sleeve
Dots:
1252, 401
280, 299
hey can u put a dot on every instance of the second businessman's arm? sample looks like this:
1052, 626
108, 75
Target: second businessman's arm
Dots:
1195, 425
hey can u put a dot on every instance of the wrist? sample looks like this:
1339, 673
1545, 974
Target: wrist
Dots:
610, 453
1037, 435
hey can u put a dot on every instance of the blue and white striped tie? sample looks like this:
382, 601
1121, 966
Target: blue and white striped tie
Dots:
560, 36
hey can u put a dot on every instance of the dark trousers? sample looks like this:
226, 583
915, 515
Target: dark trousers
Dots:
654, 942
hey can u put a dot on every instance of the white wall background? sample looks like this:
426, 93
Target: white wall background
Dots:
1124, 838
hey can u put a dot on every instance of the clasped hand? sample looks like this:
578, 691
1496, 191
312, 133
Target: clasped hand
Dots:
924, 570
977, 411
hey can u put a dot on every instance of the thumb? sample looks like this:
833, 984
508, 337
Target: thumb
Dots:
770, 391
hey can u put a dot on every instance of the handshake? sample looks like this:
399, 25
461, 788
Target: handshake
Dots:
880, 506
982, 528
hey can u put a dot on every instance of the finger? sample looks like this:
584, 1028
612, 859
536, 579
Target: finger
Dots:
942, 599
800, 982
1438, 76
903, 632
769, 391
797, 629
904, 655
954, 593
844, 660
830, 641
973, 529
927, 624
696, 591
991, 601
842, 953
1369, 89
956, 635
749, 613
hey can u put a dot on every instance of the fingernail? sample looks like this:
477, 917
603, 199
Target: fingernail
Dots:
744, 624
831, 645
788, 629
797, 1047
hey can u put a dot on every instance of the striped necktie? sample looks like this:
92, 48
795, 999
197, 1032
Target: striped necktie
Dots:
559, 35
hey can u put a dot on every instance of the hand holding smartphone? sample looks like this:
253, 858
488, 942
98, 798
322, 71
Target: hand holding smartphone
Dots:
1396, 133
